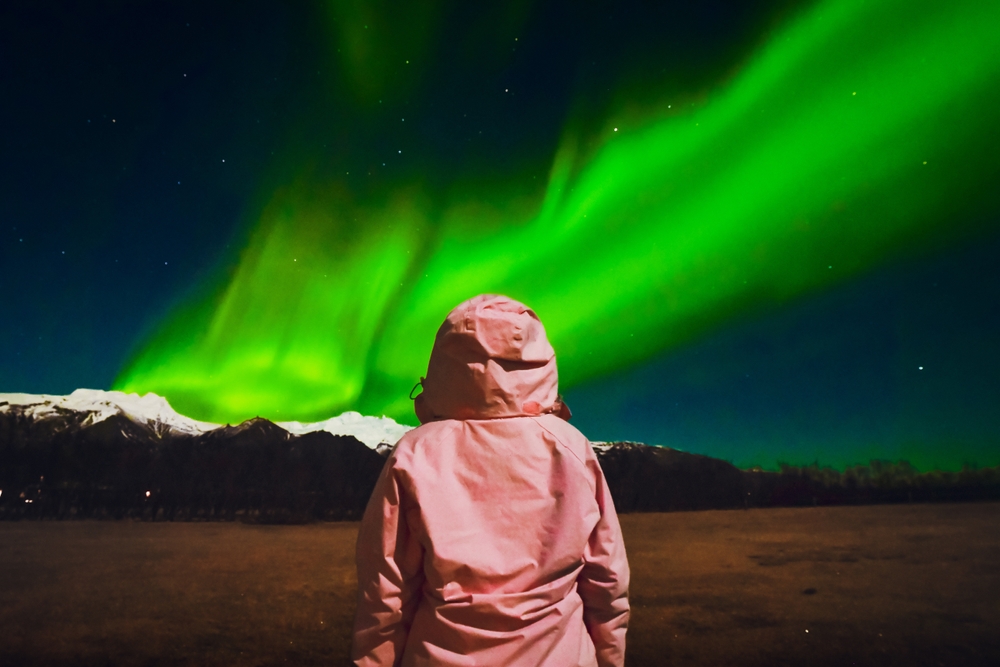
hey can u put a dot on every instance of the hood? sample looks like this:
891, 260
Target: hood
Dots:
491, 359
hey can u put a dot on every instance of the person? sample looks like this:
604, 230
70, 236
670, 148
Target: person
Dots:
490, 537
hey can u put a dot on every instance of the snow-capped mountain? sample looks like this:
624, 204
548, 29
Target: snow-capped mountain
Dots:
101, 454
106, 454
87, 407
149, 410
373, 431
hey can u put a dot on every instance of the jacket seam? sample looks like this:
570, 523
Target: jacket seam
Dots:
569, 449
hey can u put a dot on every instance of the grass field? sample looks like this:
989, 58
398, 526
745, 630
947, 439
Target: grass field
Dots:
876, 585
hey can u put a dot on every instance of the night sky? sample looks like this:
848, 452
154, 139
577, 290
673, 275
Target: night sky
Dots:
765, 231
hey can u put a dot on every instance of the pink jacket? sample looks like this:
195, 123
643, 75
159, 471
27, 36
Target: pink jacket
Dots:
491, 538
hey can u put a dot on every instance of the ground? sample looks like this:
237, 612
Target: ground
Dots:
878, 585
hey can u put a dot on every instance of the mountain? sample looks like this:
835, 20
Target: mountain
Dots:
91, 406
642, 478
109, 454
96, 454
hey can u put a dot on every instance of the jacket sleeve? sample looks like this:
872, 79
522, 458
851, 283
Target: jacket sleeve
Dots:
390, 575
603, 582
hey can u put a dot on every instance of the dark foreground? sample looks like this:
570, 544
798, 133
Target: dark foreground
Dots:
877, 585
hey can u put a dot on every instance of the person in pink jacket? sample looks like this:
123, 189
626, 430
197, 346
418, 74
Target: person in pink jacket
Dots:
491, 538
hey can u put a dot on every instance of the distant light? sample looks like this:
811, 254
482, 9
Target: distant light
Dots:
616, 129
920, 368
147, 494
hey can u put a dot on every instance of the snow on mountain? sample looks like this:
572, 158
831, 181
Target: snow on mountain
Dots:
373, 431
148, 409
155, 411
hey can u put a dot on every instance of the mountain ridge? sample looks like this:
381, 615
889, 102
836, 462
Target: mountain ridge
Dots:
101, 455
155, 412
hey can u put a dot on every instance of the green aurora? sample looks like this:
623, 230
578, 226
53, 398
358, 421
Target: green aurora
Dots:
852, 137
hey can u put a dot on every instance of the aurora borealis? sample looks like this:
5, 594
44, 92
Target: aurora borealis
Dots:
821, 152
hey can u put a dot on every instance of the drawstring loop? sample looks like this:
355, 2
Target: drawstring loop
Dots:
420, 384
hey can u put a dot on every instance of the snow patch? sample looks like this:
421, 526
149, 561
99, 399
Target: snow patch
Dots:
101, 405
373, 431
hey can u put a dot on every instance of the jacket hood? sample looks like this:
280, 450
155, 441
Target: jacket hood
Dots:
491, 359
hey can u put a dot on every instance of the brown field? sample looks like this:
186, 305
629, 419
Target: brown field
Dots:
877, 585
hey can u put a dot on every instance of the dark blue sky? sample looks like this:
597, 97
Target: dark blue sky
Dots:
903, 363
